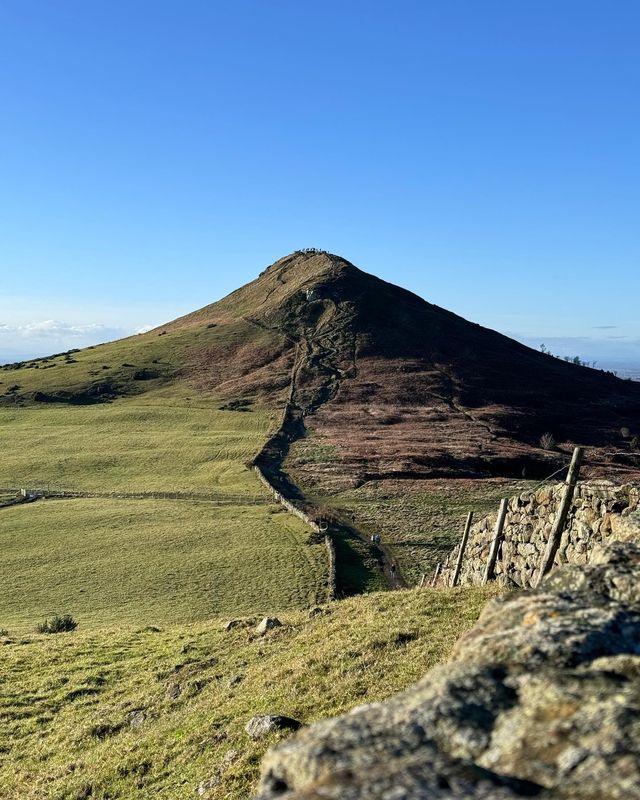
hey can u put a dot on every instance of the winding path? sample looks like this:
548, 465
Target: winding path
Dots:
325, 352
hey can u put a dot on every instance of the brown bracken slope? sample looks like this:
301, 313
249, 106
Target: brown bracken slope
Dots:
397, 387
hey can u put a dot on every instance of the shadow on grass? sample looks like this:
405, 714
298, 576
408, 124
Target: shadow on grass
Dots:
357, 568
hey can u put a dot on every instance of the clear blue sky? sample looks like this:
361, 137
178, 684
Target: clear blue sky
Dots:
154, 155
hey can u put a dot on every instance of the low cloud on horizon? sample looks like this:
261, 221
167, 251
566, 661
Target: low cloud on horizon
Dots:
43, 337
51, 328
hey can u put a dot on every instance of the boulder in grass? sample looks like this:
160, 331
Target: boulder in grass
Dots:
136, 719
267, 624
262, 725
204, 787
173, 690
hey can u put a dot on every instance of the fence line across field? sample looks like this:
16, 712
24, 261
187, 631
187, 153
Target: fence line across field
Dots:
573, 471
59, 492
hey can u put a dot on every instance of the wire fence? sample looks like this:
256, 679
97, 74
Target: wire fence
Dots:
138, 494
535, 488
442, 568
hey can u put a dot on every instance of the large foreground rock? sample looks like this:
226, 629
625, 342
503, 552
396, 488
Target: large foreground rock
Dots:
541, 699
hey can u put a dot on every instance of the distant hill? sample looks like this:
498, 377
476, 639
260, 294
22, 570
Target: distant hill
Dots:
402, 387
397, 386
359, 400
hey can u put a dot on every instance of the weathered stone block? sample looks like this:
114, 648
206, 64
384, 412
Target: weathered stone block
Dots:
540, 699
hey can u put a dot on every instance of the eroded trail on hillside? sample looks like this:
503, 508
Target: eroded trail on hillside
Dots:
324, 356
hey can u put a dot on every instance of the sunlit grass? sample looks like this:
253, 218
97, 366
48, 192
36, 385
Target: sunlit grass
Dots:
153, 561
66, 700
421, 521
167, 440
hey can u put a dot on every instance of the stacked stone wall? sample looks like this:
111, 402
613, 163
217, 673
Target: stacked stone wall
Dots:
293, 509
598, 516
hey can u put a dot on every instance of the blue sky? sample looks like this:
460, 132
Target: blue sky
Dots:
154, 155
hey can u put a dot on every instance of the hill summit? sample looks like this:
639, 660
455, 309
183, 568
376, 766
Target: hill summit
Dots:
390, 384
404, 388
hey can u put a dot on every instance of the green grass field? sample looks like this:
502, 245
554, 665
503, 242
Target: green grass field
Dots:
421, 521
66, 701
165, 440
145, 561
153, 561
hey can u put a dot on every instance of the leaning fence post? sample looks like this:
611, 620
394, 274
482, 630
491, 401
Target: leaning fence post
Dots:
434, 580
495, 544
423, 579
463, 545
561, 518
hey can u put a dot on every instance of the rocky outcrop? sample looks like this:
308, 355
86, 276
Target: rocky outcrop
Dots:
540, 699
262, 725
599, 515
268, 624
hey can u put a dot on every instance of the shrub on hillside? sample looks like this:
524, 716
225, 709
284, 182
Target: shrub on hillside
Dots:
58, 624
547, 442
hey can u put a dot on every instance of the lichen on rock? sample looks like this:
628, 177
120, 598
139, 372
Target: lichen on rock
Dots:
541, 699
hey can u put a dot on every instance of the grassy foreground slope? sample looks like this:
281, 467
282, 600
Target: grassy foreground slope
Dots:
113, 561
133, 713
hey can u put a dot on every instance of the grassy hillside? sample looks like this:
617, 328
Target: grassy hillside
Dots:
145, 561
140, 712
215, 352
421, 520
153, 562
168, 439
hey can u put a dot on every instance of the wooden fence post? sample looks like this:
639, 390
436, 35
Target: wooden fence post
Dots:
463, 545
423, 579
495, 544
561, 518
436, 573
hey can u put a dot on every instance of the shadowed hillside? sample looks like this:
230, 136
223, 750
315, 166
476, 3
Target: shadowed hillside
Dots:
403, 388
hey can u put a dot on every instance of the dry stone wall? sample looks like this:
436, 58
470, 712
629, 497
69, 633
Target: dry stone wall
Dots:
293, 509
599, 515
